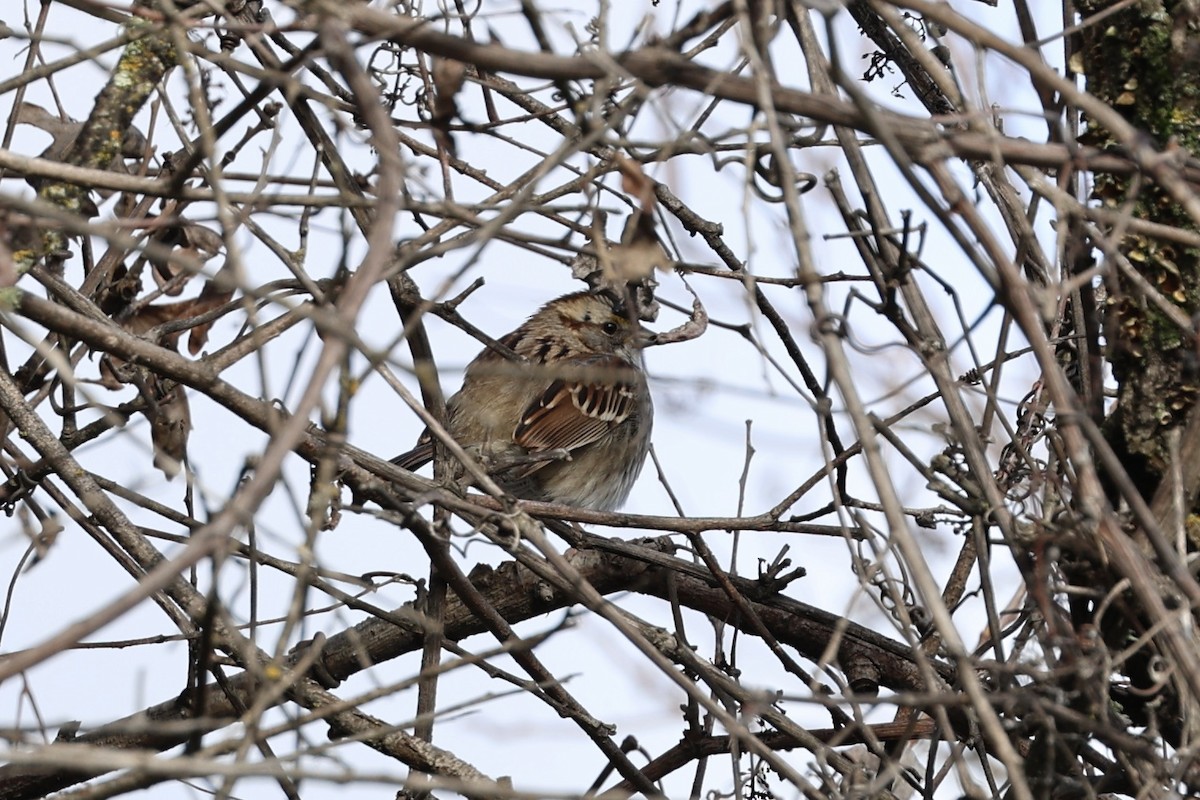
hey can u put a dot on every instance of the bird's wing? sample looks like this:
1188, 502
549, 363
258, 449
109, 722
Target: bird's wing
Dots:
573, 413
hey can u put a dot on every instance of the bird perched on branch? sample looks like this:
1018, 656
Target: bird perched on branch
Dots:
566, 421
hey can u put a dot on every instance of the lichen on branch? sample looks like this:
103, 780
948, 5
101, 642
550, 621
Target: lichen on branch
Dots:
143, 63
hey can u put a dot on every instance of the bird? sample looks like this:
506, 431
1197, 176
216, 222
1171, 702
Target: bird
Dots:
569, 420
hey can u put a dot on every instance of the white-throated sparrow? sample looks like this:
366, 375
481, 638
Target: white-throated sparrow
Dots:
579, 387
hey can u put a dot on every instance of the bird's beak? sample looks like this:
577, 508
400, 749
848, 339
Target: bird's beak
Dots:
644, 337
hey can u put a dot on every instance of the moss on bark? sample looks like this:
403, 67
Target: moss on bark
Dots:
142, 65
1138, 62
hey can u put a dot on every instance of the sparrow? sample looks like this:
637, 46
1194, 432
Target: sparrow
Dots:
569, 420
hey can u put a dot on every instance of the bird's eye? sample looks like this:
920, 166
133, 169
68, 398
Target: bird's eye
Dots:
610, 327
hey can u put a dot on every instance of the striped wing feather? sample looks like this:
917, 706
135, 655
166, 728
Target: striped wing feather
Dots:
574, 414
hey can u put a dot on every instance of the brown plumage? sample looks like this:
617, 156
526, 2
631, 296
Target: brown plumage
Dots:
580, 387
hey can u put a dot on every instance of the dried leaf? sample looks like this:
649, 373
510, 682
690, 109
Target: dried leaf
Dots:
216, 293
43, 539
448, 79
149, 317
122, 289
63, 132
638, 254
696, 325
109, 377
170, 424
190, 239
636, 183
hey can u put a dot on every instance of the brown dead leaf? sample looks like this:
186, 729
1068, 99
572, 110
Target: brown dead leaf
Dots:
636, 183
216, 293
63, 132
448, 78
151, 316
170, 424
191, 239
122, 289
695, 326
109, 376
637, 256
44, 538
